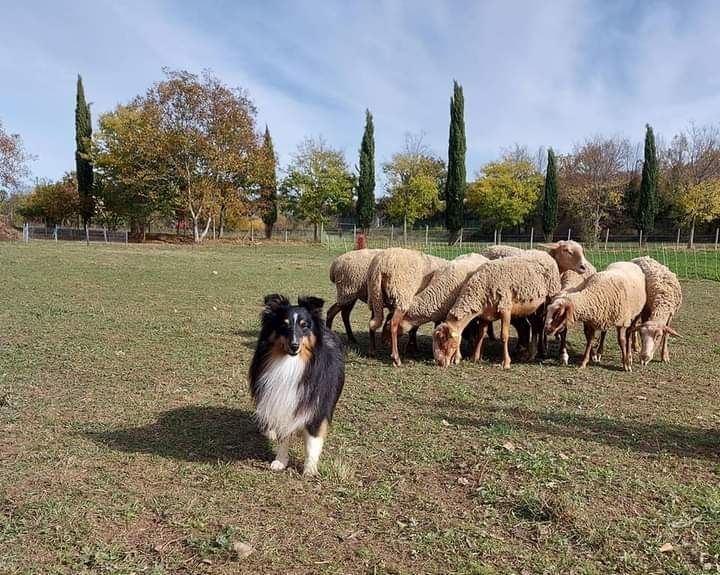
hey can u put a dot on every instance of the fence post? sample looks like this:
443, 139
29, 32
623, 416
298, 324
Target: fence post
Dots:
87, 235
641, 238
495, 237
56, 233
607, 235
354, 234
532, 237
677, 243
461, 236
252, 230
286, 234
717, 236
105, 233
126, 237
427, 229
322, 231
569, 232
392, 233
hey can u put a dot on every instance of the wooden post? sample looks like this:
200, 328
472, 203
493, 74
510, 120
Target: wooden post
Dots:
322, 230
105, 233
717, 237
677, 243
427, 229
56, 233
461, 236
87, 235
286, 234
354, 234
126, 237
607, 235
532, 237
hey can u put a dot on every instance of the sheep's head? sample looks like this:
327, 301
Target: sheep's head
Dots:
446, 345
569, 255
559, 314
651, 335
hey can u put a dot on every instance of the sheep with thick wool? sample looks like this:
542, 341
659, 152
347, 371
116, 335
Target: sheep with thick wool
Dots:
495, 252
433, 303
571, 281
664, 298
613, 297
349, 273
395, 276
501, 289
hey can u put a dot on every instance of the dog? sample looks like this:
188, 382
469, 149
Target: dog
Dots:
296, 377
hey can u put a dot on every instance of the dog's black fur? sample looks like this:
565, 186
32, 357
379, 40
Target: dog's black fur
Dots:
300, 330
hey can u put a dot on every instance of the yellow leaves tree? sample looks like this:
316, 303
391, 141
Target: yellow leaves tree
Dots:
699, 203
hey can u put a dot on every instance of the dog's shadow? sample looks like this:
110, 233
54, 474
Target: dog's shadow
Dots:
199, 434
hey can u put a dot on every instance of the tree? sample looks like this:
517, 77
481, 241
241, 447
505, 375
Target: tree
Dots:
505, 193
83, 153
455, 185
13, 160
366, 177
414, 179
550, 198
592, 181
318, 183
268, 184
647, 201
699, 202
53, 202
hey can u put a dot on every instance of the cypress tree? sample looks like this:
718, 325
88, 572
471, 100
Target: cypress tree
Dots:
83, 158
647, 203
455, 183
269, 185
365, 208
550, 198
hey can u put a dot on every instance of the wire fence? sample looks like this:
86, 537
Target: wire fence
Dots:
88, 235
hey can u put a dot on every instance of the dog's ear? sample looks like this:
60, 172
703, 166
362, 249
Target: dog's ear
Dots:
273, 302
311, 303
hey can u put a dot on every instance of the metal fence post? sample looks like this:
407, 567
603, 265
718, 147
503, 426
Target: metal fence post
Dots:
105, 234
677, 243
56, 233
569, 232
427, 231
717, 236
641, 238
532, 237
495, 241
607, 235
392, 233
354, 234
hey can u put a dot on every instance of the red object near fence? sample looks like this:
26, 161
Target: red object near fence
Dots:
360, 242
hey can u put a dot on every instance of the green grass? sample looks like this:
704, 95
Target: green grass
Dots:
127, 444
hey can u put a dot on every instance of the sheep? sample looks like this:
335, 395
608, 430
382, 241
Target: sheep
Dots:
571, 281
664, 298
503, 288
395, 276
613, 297
433, 302
349, 273
496, 252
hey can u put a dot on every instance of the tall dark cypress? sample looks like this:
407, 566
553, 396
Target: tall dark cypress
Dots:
83, 158
269, 185
647, 203
365, 208
550, 198
455, 183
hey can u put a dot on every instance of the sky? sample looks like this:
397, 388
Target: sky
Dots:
533, 73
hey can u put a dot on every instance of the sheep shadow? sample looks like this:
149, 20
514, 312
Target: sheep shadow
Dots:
650, 438
197, 434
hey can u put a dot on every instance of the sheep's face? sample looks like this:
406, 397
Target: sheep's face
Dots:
559, 314
446, 345
651, 336
569, 255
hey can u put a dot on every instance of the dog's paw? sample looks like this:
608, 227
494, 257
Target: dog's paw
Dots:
278, 465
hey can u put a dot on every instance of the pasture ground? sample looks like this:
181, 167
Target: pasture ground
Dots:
127, 444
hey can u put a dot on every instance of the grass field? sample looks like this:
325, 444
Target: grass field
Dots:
127, 444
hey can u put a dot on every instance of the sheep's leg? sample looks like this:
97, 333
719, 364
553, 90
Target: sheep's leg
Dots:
491, 332
623, 343
331, 313
635, 340
589, 336
597, 355
505, 336
665, 350
394, 325
412, 346
634, 337
482, 333
564, 357
372, 350
345, 314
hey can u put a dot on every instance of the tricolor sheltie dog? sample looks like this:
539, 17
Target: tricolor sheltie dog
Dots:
296, 377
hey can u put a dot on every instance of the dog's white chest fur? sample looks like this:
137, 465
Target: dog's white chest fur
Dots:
278, 396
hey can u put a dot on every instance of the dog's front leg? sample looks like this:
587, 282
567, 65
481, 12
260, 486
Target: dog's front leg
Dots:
282, 456
314, 440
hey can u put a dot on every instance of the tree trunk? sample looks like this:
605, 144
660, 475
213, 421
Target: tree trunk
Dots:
691, 240
196, 231
405, 230
268, 231
453, 237
315, 232
221, 231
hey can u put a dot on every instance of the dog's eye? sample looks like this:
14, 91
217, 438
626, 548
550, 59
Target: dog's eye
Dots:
303, 324
286, 321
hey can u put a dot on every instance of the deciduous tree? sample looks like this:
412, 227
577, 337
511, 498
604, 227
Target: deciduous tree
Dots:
699, 203
13, 160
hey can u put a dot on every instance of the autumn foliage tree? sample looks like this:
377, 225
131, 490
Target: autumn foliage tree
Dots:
53, 202
13, 160
318, 183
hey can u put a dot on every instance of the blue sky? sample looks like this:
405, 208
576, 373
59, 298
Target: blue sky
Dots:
536, 73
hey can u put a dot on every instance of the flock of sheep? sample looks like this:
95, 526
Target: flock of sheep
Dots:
539, 292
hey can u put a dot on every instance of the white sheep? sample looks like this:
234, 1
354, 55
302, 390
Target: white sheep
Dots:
613, 297
349, 273
395, 276
495, 252
500, 289
664, 298
571, 281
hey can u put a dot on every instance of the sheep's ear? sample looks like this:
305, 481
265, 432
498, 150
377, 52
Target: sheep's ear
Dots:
671, 331
551, 246
273, 302
311, 303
